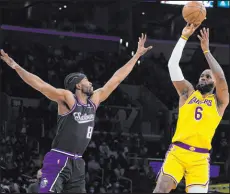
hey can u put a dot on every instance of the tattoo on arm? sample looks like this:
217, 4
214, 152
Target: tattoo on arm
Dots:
221, 83
214, 66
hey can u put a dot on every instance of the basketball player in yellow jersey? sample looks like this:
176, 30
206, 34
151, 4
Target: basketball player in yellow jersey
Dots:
200, 112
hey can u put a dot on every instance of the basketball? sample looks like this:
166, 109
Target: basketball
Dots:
194, 12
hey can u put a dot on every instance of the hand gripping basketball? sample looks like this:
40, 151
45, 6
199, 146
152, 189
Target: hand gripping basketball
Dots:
9, 61
189, 29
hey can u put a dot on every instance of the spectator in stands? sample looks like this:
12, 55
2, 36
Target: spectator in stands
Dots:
34, 187
104, 150
93, 165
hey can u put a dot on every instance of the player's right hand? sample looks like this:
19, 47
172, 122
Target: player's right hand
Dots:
9, 61
141, 49
189, 29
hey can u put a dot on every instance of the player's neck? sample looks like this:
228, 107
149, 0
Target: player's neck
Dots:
81, 97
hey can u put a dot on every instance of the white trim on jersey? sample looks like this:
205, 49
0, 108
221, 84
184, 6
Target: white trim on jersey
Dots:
70, 111
58, 175
66, 153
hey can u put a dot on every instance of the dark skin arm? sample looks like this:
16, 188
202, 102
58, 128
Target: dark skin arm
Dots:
222, 93
54, 94
103, 93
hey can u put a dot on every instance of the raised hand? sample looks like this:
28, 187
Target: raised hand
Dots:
9, 61
189, 29
141, 50
204, 39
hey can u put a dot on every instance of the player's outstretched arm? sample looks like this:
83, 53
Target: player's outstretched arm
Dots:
103, 93
184, 88
222, 92
34, 81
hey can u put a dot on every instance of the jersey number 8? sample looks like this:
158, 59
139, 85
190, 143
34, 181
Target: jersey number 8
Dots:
89, 132
198, 113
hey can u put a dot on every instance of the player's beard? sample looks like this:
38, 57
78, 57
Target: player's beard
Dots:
206, 88
87, 91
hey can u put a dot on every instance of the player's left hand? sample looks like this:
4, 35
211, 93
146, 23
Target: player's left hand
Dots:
141, 50
204, 39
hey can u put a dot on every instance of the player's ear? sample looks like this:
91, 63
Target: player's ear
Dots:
78, 86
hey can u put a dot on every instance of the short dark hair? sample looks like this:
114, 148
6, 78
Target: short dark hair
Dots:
72, 79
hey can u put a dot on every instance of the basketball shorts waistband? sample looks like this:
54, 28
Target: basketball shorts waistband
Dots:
191, 148
71, 155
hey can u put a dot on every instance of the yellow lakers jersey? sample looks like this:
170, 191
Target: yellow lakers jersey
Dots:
197, 121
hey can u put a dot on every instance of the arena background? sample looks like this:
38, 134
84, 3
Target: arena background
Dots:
135, 125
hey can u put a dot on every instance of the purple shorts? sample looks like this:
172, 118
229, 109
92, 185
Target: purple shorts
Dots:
62, 172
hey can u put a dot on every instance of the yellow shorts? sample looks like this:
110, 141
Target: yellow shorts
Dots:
181, 163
